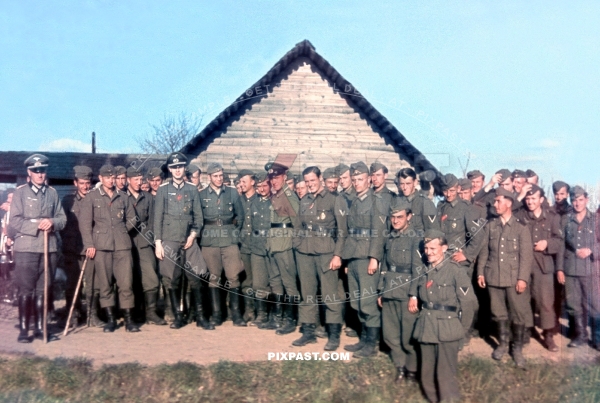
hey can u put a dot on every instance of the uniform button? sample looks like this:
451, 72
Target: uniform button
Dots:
502, 239
448, 317
502, 260
502, 246
502, 253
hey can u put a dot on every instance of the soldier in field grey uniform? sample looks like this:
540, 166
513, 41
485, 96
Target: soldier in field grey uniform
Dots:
223, 219
35, 208
177, 224
447, 302
247, 182
423, 209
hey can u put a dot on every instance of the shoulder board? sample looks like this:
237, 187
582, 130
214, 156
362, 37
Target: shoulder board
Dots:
189, 183
19, 187
164, 184
50, 187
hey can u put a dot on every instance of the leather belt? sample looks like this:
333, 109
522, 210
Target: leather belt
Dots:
439, 307
262, 232
219, 221
324, 231
359, 231
281, 225
397, 269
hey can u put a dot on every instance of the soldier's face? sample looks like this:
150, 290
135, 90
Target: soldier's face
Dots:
465, 194
145, 187
108, 182
331, 184
246, 183
216, 179
290, 183
451, 193
263, 189
277, 182
301, 189
83, 186
561, 195
407, 186
518, 184
533, 180
195, 178
477, 184
120, 181
135, 183
178, 171
37, 176
502, 205
345, 180
155, 183
400, 220
313, 183
361, 182
579, 203
378, 178
507, 184
434, 251
534, 201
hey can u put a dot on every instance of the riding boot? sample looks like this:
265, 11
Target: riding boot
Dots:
167, 304
371, 344
174, 299
262, 316
518, 340
249, 314
38, 332
289, 325
25, 303
234, 306
361, 342
216, 319
308, 335
94, 302
548, 335
275, 315
200, 319
151, 316
111, 324
130, 326
580, 331
335, 329
596, 332
503, 337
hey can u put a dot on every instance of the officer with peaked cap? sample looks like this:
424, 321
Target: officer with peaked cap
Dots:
447, 303
35, 208
400, 269
223, 219
142, 239
178, 220
504, 268
106, 217
73, 250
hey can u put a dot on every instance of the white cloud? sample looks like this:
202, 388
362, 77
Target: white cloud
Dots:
66, 144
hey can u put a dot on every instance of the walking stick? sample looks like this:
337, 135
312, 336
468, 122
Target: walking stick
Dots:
45, 320
75, 297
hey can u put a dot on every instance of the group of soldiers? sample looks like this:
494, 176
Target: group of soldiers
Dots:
334, 247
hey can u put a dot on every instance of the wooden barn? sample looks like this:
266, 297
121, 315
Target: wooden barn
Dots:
303, 106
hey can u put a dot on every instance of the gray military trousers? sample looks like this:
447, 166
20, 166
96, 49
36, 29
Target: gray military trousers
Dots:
440, 366
29, 272
144, 261
285, 264
542, 292
507, 304
266, 279
225, 258
116, 265
177, 261
580, 293
398, 325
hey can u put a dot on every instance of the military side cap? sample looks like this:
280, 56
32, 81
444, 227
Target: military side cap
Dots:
36, 161
399, 204
530, 173
245, 172
558, 185
82, 172
476, 173
427, 176
517, 173
341, 169
359, 168
449, 180
213, 168
464, 184
329, 173
261, 177
132, 172
577, 191
505, 174
376, 166
277, 169
534, 189
176, 158
107, 170
154, 172
192, 169
432, 234
503, 192
120, 170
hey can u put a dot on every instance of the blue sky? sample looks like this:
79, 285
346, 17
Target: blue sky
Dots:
515, 84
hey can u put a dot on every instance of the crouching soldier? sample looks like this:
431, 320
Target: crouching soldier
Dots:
447, 302
398, 281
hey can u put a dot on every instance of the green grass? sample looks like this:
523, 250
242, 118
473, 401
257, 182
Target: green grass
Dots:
35, 379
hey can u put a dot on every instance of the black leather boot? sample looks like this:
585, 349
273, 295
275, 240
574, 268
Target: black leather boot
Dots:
111, 323
289, 324
371, 347
361, 342
518, 341
262, 316
167, 305
503, 337
94, 320
335, 329
234, 306
25, 303
151, 316
596, 332
129, 325
178, 318
38, 332
308, 335
200, 319
216, 319
275, 319
580, 331
249, 314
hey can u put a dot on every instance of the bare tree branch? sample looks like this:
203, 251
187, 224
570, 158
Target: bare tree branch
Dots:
170, 135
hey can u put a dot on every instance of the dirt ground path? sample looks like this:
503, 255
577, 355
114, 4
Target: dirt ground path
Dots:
158, 344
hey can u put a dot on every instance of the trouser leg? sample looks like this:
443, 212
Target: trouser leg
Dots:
309, 283
368, 283
123, 273
447, 370
330, 281
391, 316
104, 274
542, 292
429, 357
287, 268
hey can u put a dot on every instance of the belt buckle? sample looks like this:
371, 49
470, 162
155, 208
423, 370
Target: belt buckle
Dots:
219, 222
309, 227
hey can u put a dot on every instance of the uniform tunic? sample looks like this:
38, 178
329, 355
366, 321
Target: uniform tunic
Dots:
245, 236
423, 211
